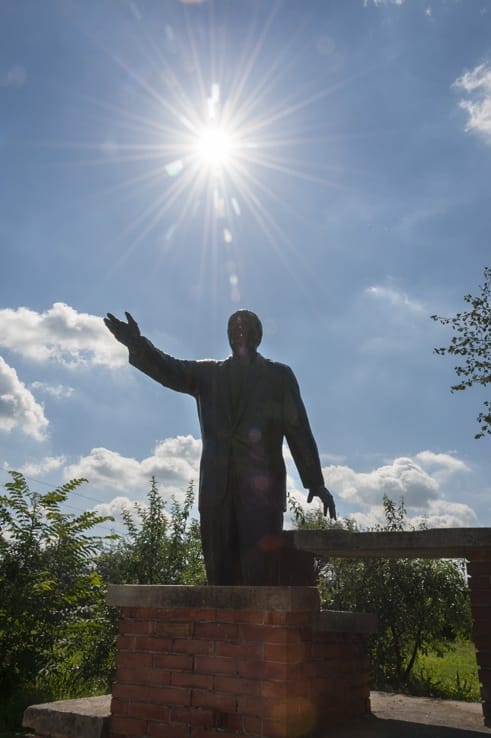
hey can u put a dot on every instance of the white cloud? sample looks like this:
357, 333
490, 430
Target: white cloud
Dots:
114, 507
55, 390
402, 478
420, 481
476, 84
18, 407
174, 463
378, 3
60, 334
46, 465
394, 298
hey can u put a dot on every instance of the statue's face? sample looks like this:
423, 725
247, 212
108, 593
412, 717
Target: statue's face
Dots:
242, 334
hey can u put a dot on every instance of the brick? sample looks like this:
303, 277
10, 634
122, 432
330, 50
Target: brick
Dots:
478, 554
290, 690
480, 628
164, 730
214, 665
241, 616
156, 695
480, 597
211, 733
153, 644
481, 613
478, 568
135, 627
479, 581
216, 631
484, 659
172, 630
288, 618
128, 726
192, 646
287, 653
149, 711
133, 659
244, 651
186, 613
182, 661
274, 670
260, 707
272, 634
139, 613
119, 707
228, 721
142, 675
214, 700
236, 685
260, 633
126, 643
251, 725
188, 679
193, 716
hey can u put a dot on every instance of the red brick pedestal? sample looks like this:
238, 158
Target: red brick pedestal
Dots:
212, 662
479, 571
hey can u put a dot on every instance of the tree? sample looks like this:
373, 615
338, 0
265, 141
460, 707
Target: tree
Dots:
159, 547
51, 597
472, 342
420, 604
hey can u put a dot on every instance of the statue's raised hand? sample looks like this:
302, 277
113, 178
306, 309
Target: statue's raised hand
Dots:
126, 333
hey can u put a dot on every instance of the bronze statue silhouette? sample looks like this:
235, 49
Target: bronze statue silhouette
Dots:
247, 405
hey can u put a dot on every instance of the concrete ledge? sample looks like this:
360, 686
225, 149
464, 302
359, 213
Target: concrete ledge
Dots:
449, 543
338, 621
289, 599
82, 718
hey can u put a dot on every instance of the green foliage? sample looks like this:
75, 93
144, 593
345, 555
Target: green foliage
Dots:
51, 597
420, 604
159, 547
451, 674
472, 342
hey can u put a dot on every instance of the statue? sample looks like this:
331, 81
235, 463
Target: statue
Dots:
247, 405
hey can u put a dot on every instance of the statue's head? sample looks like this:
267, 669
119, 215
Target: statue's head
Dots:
244, 332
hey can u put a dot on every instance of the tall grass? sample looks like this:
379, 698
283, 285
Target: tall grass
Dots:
451, 675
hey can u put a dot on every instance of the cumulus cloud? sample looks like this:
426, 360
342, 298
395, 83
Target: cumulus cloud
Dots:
174, 463
401, 478
46, 465
419, 480
114, 507
18, 407
377, 3
476, 84
55, 390
60, 334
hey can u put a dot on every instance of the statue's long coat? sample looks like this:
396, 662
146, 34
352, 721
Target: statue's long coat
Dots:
242, 427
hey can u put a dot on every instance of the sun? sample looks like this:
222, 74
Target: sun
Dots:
215, 146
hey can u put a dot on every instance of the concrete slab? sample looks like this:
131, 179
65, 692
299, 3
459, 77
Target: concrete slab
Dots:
87, 717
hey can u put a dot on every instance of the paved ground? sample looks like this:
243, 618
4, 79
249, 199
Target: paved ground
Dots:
398, 716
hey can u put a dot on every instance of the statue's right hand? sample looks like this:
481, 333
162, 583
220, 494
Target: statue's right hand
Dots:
126, 333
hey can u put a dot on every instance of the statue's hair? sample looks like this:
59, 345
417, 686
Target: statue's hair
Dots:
251, 317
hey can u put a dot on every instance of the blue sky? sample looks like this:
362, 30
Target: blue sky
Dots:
346, 200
